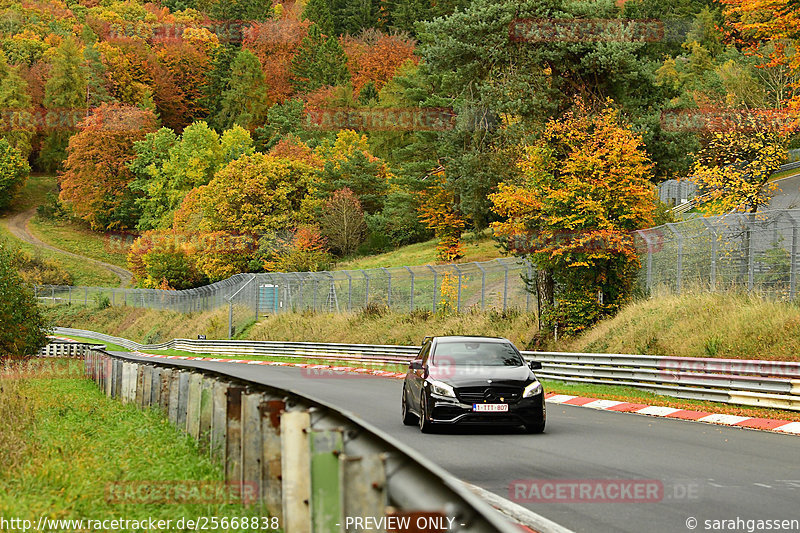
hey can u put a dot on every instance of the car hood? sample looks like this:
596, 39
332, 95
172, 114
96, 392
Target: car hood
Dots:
518, 376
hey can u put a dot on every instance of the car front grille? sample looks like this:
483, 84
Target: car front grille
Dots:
488, 394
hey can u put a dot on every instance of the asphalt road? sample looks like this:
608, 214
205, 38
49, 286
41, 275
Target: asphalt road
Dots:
788, 194
708, 472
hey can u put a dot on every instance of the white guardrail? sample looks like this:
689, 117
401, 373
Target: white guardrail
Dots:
761, 383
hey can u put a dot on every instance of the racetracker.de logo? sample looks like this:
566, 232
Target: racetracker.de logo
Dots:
586, 491
181, 492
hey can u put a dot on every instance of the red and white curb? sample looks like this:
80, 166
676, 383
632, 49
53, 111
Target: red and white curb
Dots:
769, 424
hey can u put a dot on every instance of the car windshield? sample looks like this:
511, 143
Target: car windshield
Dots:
471, 353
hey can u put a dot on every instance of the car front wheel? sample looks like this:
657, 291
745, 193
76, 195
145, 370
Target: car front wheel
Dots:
408, 417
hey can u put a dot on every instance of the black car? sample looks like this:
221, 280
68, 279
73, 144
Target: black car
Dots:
472, 380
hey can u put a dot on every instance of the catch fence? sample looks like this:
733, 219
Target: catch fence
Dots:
496, 284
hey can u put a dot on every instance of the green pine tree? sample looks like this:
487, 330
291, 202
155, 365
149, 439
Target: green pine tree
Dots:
244, 102
319, 62
16, 121
319, 12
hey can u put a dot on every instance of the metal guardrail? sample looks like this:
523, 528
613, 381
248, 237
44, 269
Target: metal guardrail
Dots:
760, 383
58, 348
306, 462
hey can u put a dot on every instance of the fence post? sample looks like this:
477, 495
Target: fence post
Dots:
349, 290
528, 274
750, 255
679, 267
793, 260
458, 299
316, 288
505, 283
366, 292
411, 273
434, 286
389, 289
714, 252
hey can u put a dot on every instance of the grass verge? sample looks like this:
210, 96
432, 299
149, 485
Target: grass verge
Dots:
478, 248
75, 238
727, 325
74, 442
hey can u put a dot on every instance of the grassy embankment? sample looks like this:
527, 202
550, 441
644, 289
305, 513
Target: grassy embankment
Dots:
65, 235
62, 442
694, 325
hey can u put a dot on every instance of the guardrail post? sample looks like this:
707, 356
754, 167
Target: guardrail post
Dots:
138, 383
146, 385
364, 491
193, 405
252, 452
296, 471
271, 484
183, 399
174, 397
206, 412
219, 421
233, 437
326, 485
158, 379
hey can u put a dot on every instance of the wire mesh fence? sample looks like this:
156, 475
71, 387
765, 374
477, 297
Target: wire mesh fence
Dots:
498, 284
757, 252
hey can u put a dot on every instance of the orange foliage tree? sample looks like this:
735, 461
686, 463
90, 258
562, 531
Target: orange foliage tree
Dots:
439, 211
375, 56
580, 192
769, 29
94, 184
275, 43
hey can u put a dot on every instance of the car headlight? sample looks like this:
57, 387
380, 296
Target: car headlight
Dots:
441, 389
532, 390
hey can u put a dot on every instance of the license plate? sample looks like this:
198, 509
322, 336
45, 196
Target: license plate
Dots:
490, 407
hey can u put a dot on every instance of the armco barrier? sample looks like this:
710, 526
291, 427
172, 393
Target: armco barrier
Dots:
758, 383
66, 349
311, 465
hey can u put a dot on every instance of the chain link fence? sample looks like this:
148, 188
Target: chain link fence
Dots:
757, 252
497, 284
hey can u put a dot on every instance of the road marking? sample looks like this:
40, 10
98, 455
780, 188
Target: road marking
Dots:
603, 404
792, 427
560, 398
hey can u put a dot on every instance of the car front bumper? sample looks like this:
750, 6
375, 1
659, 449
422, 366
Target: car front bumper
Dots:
526, 411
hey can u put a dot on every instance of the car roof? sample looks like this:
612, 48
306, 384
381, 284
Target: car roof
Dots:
468, 338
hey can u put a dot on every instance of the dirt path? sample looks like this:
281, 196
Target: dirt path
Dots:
18, 226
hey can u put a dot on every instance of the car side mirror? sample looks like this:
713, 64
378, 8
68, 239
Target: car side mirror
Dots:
535, 365
415, 365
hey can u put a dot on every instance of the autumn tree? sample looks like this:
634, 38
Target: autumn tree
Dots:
303, 250
348, 163
14, 171
342, 222
260, 194
374, 57
275, 43
580, 192
94, 184
734, 168
439, 211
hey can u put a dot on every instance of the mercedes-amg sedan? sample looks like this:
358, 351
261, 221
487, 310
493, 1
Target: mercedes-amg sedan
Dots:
472, 380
